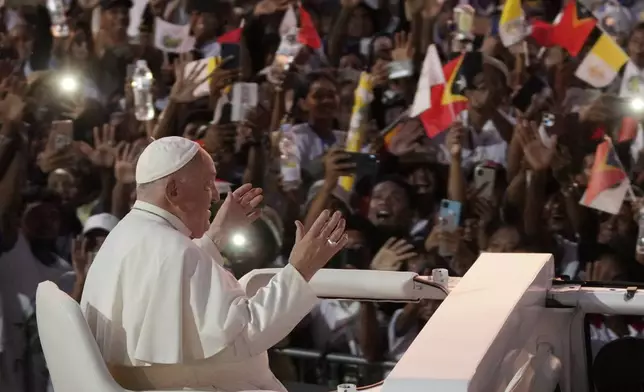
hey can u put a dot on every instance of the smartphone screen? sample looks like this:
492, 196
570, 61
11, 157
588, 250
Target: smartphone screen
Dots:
62, 133
226, 114
449, 217
232, 51
366, 164
523, 97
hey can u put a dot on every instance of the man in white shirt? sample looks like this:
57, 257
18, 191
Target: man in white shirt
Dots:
164, 311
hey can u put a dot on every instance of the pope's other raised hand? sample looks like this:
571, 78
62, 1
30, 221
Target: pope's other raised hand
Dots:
238, 211
313, 249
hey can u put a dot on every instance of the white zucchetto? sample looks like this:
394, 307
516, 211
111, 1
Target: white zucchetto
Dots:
163, 157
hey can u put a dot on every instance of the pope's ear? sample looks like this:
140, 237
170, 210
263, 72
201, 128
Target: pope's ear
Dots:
171, 191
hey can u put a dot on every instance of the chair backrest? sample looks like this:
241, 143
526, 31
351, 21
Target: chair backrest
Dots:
74, 361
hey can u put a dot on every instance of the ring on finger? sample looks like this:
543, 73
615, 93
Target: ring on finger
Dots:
332, 243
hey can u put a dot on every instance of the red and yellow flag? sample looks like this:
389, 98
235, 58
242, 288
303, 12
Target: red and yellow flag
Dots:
608, 182
572, 31
448, 99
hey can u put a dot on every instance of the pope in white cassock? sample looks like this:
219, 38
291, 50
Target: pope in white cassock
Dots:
164, 311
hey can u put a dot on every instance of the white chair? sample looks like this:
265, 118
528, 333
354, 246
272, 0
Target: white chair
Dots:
74, 361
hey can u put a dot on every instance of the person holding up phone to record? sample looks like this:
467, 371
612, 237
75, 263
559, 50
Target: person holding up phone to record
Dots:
337, 163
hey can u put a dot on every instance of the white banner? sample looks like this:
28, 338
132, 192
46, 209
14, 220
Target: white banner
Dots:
172, 38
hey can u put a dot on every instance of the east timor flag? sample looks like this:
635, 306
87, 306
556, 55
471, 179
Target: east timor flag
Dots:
608, 182
448, 100
574, 27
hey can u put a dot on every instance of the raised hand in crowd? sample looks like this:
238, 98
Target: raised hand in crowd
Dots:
407, 139
269, 7
125, 163
455, 138
380, 73
393, 254
222, 78
13, 103
104, 151
186, 82
239, 209
603, 110
81, 257
538, 156
337, 163
403, 48
57, 154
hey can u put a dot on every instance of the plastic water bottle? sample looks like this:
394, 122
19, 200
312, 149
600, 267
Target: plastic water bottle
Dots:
57, 10
639, 246
289, 160
142, 90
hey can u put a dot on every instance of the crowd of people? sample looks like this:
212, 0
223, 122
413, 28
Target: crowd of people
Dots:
516, 149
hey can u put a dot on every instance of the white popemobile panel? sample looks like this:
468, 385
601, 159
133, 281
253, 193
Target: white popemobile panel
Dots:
492, 333
480, 338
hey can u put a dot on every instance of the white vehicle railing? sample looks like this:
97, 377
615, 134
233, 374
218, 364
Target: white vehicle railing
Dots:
361, 285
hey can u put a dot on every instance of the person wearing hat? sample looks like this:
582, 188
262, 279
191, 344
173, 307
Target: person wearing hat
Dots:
164, 311
84, 247
484, 129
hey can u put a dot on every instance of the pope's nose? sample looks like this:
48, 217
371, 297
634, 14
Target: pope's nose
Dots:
215, 197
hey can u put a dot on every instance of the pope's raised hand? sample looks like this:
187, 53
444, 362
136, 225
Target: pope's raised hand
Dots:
240, 209
313, 249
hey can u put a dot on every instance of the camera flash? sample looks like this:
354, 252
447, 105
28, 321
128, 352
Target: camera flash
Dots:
637, 104
239, 240
68, 84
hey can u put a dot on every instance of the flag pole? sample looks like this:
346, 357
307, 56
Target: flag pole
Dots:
402, 116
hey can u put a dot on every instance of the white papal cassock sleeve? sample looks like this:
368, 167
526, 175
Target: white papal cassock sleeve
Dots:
197, 309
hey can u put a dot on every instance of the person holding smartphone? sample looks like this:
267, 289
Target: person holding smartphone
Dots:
316, 104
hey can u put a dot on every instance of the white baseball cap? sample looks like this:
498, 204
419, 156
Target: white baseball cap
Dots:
102, 221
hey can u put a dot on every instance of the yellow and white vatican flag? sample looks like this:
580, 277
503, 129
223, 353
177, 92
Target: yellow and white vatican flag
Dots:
512, 25
359, 119
430, 75
602, 63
